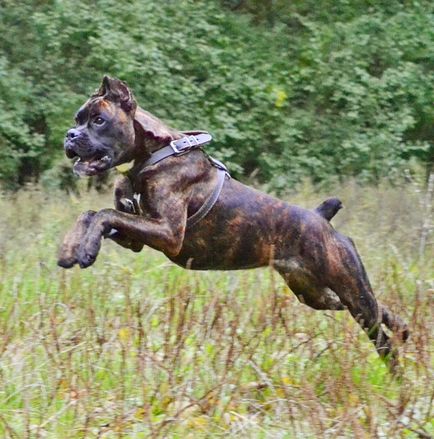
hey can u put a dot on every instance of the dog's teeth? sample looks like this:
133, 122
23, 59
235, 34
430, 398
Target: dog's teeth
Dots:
106, 158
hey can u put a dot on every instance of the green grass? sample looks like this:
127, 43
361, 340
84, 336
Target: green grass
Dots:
136, 347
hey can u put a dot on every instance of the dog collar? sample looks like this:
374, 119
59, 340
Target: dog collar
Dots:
175, 147
179, 147
183, 146
193, 140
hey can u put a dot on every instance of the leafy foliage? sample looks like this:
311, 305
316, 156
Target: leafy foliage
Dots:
296, 89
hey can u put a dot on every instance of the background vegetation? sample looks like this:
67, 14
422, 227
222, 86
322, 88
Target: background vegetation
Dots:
325, 89
298, 94
135, 347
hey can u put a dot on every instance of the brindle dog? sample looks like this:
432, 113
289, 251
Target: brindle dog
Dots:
244, 229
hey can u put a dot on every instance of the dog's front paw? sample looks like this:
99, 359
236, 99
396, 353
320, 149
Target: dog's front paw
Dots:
85, 259
66, 262
88, 252
67, 255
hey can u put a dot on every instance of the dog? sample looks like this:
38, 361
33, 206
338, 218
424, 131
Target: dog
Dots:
178, 200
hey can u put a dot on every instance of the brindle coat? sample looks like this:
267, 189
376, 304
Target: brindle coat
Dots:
244, 229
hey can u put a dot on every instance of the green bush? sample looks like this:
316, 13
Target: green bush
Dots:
325, 90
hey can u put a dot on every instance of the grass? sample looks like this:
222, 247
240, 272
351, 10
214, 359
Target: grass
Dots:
135, 347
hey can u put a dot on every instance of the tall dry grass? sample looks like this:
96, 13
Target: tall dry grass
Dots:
135, 347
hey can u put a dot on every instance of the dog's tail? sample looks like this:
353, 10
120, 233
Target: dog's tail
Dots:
329, 208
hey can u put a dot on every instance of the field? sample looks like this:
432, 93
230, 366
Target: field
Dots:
135, 347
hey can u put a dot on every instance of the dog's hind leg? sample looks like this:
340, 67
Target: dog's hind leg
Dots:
306, 288
322, 298
364, 308
348, 279
394, 323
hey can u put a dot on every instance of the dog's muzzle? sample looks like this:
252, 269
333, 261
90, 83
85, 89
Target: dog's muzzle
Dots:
70, 143
89, 160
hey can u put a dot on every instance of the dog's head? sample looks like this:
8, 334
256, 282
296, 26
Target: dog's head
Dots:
111, 130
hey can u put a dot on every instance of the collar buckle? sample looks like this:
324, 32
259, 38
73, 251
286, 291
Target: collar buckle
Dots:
190, 141
184, 145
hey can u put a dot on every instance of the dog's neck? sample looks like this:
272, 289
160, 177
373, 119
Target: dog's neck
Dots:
152, 133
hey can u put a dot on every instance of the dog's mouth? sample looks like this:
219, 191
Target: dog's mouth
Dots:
93, 165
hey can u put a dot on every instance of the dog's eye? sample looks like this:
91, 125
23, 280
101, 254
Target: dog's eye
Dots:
98, 121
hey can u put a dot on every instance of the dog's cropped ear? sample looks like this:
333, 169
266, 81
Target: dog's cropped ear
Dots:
152, 128
117, 91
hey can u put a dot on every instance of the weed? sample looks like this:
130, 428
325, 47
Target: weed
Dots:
136, 347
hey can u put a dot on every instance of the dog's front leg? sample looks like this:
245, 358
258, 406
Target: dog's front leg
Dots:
124, 202
165, 233
71, 243
124, 241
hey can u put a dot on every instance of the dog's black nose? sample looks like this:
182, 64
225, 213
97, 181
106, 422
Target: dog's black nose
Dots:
72, 134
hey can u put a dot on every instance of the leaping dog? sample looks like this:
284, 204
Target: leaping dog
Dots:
178, 200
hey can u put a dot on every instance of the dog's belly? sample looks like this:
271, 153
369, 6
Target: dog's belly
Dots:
247, 229
209, 254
